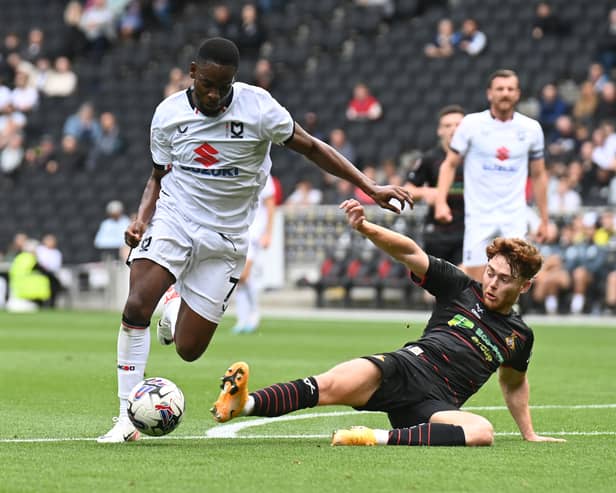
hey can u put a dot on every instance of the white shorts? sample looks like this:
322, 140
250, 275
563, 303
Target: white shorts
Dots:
479, 233
206, 264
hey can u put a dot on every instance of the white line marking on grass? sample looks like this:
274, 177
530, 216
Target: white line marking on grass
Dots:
231, 430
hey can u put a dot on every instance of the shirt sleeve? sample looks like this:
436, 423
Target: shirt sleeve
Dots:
443, 279
537, 144
521, 358
462, 137
276, 122
160, 143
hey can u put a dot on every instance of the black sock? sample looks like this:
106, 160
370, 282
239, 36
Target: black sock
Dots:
428, 434
283, 398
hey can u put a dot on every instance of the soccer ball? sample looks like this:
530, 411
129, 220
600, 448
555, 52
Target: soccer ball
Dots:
156, 406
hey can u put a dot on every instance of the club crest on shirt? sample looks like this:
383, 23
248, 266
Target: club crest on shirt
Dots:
235, 130
510, 341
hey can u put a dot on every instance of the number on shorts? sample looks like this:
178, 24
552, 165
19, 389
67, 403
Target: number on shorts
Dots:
233, 281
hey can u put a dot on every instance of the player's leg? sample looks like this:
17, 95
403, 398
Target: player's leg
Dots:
243, 301
443, 428
351, 383
148, 281
477, 235
206, 286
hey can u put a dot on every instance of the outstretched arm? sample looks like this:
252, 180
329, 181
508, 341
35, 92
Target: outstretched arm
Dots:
516, 392
398, 246
330, 160
446, 176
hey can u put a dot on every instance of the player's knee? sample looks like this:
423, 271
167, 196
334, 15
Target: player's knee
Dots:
480, 434
188, 352
137, 309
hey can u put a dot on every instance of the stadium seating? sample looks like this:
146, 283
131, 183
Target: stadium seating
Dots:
344, 43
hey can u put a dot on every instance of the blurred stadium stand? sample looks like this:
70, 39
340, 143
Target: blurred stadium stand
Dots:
319, 50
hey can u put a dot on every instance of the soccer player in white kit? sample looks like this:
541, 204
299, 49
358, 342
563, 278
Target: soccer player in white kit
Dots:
498, 146
259, 238
210, 149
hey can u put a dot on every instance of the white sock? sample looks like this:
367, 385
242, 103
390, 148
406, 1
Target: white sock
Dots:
551, 304
170, 312
250, 405
242, 304
577, 303
382, 436
133, 351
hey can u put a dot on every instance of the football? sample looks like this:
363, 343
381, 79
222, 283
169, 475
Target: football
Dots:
156, 406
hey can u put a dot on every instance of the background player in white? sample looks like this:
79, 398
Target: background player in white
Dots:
210, 147
259, 237
498, 146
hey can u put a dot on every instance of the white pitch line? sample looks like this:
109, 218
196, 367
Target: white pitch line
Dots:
230, 430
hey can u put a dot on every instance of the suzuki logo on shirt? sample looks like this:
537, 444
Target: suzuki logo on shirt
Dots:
206, 154
502, 153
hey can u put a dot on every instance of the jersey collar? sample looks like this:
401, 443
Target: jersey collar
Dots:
226, 104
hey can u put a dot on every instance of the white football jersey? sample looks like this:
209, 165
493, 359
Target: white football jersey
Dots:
496, 158
218, 164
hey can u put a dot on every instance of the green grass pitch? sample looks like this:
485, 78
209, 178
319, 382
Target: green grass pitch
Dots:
58, 385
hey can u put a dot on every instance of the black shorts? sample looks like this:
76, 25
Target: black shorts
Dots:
445, 248
406, 391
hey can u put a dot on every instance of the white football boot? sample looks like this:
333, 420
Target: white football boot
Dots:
164, 331
122, 431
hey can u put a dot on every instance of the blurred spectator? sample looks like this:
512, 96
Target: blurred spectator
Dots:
444, 42
562, 141
551, 106
130, 22
363, 106
251, 34
60, 81
71, 157
12, 156
16, 246
110, 235
263, 74
9, 47
387, 7
387, 173
74, 40
472, 40
28, 287
338, 140
584, 260
108, 142
610, 292
586, 104
97, 23
161, 10
34, 49
304, 194
547, 23
310, 123
222, 24
178, 81
562, 199
597, 76
553, 279
24, 98
43, 155
5, 97
83, 125
606, 43
606, 108
604, 152
49, 260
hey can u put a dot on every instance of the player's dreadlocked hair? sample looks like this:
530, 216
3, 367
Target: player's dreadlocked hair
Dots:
523, 258
220, 51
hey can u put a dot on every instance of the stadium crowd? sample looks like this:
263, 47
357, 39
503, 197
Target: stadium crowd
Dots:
42, 63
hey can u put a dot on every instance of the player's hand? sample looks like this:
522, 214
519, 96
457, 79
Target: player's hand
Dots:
542, 232
134, 233
538, 438
265, 241
355, 212
442, 213
383, 196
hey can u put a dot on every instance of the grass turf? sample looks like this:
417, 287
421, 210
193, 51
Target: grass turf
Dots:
57, 371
